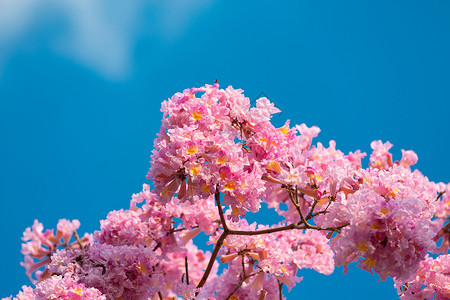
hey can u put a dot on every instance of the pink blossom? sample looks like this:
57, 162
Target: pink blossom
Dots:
431, 280
41, 245
380, 157
116, 271
409, 158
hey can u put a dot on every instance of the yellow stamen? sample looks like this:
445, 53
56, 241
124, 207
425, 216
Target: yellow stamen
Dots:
362, 246
274, 166
142, 268
205, 188
384, 210
196, 115
376, 226
78, 291
392, 193
192, 149
236, 211
370, 262
284, 129
222, 159
196, 169
229, 186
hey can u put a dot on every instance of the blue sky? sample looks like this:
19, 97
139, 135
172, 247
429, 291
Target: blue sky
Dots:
81, 84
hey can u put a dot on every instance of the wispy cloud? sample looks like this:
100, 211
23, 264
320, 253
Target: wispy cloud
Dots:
99, 34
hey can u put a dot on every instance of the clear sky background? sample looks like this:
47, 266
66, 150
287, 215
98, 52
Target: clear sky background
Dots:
81, 82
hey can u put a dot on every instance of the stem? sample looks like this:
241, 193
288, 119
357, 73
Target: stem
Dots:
440, 195
240, 284
187, 271
219, 207
212, 259
75, 234
325, 211
219, 243
297, 207
226, 232
243, 265
270, 230
157, 246
280, 289
302, 217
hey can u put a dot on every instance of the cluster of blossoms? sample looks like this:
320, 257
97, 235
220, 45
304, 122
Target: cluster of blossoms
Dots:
431, 280
215, 152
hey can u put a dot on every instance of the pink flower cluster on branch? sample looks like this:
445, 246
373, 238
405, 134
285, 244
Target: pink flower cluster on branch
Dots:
216, 153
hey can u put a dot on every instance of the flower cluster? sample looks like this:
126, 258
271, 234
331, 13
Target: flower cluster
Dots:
42, 244
216, 153
117, 271
58, 287
431, 280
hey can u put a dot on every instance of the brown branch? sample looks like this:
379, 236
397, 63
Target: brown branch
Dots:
157, 246
219, 207
440, 195
219, 243
240, 284
446, 227
212, 259
311, 211
297, 207
227, 231
336, 228
187, 270
302, 217
75, 234
280, 289
269, 230
243, 264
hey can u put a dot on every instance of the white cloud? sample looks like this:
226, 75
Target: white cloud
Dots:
99, 34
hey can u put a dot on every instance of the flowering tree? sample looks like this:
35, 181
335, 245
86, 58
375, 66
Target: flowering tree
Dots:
215, 160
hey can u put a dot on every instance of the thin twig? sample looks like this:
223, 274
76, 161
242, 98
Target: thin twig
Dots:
227, 231
219, 207
212, 259
219, 243
75, 234
243, 264
270, 230
295, 202
157, 246
280, 289
325, 211
240, 284
311, 211
187, 270
440, 195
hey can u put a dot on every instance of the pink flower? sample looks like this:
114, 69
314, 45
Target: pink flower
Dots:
409, 158
432, 279
380, 157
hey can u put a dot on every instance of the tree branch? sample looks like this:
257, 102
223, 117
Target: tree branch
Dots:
269, 230
219, 243
240, 284
219, 207
212, 259
280, 289
187, 270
